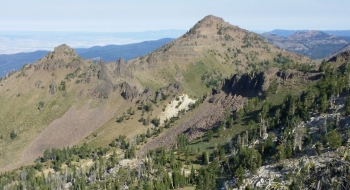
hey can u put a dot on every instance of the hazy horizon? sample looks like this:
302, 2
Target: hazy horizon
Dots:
39, 17
22, 42
12, 42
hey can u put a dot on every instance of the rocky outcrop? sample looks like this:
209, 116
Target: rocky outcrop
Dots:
171, 89
127, 91
53, 87
161, 94
62, 57
103, 89
61, 51
146, 95
102, 73
246, 85
288, 74
121, 65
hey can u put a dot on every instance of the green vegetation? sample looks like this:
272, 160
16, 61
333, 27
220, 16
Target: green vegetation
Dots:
212, 79
13, 134
269, 129
200, 164
41, 105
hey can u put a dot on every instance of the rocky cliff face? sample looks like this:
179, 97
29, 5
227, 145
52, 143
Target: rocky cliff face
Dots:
127, 91
246, 85
257, 83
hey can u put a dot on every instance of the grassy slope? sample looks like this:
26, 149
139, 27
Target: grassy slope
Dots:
19, 112
189, 56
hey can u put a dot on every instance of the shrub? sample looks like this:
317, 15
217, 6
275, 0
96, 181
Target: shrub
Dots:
41, 105
155, 122
62, 86
120, 119
148, 107
13, 134
131, 111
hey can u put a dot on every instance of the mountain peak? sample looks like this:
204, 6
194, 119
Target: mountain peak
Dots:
63, 56
212, 18
62, 51
209, 21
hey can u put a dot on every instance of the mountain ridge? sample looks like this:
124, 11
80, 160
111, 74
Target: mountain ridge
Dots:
217, 108
13, 62
194, 64
286, 33
315, 44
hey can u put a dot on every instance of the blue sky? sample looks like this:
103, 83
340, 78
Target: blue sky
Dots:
145, 15
88, 23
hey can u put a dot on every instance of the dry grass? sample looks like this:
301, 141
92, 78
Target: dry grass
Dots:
68, 118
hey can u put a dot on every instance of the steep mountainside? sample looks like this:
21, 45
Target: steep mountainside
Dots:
315, 44
54, 102
218, 108
340, 57
212, 44
343, 49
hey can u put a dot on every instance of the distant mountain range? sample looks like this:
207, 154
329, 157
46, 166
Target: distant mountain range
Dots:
128, 51
286, 33
106, 53
314, 44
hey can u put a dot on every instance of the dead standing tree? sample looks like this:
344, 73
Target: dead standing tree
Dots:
299, 134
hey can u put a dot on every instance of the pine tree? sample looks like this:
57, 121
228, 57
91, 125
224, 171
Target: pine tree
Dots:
192, 176
323, 103
280, 152
148, 134
172, 160
240, 173
323, 66
210, 135
347, 106
220, 129
334, 139
205, 158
